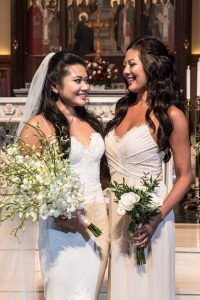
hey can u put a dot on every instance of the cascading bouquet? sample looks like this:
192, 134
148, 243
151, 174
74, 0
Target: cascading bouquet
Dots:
101, 72
44, 184
141, 203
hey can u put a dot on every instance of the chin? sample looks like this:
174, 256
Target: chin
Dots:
81, 103
132, 89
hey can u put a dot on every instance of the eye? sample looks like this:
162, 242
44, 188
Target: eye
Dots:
78, 80
132, 64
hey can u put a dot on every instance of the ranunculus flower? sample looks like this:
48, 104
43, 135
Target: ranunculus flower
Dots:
128, 200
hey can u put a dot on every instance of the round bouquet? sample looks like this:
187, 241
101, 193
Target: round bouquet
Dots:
101, 72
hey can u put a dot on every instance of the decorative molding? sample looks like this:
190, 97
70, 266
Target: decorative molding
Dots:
102, 104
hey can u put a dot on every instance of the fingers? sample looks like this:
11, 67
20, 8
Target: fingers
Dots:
142, 236
81, 221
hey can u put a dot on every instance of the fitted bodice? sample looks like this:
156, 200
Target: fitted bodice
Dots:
133, 154
86, 162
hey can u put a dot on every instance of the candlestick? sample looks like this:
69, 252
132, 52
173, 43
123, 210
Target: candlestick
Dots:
188, 83
198, 78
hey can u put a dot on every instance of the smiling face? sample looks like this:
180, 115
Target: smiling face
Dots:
75, 87
134, 72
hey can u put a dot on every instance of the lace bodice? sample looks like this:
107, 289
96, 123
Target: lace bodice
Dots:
86, 161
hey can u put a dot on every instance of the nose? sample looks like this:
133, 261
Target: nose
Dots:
85, 86
126, 70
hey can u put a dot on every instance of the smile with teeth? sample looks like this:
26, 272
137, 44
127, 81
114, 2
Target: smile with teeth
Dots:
131, 79
83, 95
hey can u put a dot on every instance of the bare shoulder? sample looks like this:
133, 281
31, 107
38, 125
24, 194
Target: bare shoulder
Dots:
176, 114
35, 121
178, 117
39, 124
35, 129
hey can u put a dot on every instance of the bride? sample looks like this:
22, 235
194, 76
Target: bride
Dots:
72, 262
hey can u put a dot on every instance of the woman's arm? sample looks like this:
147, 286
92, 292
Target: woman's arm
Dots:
180, 145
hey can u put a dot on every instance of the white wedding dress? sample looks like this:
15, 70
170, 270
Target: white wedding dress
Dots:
73, 264
129, 157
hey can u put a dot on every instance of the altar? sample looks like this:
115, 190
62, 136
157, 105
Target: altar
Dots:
101, 103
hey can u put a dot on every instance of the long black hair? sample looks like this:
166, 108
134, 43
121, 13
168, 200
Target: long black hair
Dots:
162, 88
57, 70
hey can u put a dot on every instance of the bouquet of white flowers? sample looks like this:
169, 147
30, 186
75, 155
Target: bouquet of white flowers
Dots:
141, 203
33, 183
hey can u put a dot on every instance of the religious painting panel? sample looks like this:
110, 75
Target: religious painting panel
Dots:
43, 26
158, 20
101, 27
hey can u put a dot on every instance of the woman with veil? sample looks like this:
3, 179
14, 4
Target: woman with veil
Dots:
72, 261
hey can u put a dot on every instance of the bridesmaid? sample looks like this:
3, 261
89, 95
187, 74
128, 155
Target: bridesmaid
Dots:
148, 126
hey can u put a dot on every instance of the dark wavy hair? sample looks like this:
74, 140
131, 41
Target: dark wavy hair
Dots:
162, 88
57, 70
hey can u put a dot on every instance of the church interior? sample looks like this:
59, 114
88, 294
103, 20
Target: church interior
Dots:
99, 31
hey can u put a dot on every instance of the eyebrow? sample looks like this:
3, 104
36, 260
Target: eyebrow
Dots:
80, 77
130, 60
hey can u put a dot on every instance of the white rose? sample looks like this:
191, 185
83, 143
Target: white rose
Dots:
121, 211
128, 200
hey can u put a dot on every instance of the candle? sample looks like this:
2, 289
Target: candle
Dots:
188, 82
198, 78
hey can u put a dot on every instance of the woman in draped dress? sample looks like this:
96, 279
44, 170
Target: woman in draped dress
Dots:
72, 261
148, 125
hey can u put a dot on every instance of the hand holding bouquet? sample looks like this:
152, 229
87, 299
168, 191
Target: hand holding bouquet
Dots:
141, 203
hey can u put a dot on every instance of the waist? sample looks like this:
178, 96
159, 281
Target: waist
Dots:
93, 193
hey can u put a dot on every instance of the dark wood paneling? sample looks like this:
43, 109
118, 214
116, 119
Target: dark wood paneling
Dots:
193, 66
5, 79
183, 39
18, 43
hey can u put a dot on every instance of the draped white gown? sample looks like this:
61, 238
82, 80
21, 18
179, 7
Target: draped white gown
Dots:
136, 152
73, 264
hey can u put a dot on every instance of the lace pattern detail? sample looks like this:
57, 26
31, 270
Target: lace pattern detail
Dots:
80, 291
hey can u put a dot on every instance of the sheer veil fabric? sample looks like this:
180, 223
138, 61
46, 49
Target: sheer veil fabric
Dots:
21, 277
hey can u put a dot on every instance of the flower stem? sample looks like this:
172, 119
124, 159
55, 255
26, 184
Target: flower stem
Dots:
140, 256
95, 230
